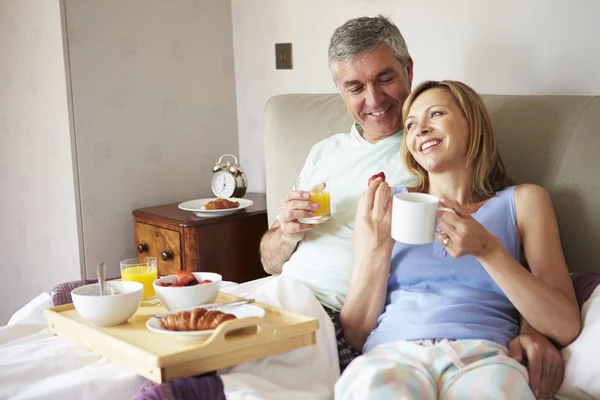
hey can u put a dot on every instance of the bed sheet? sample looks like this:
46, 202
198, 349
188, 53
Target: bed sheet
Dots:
35, 364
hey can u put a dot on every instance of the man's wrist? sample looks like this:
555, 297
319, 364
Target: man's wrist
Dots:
289, 240
525, 327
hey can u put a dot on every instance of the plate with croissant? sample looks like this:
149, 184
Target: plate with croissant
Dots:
199, 323
215, 207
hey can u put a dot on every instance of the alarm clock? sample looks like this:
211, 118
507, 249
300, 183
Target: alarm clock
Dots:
229, 179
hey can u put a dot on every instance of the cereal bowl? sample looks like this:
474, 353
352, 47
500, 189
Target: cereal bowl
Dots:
179, 297
120, 301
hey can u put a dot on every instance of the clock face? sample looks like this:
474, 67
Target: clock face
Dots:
223, 184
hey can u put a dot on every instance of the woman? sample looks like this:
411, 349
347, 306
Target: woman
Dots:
452, 306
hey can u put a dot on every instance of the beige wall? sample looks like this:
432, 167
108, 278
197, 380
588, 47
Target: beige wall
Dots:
38, 223
498, 47
154, 105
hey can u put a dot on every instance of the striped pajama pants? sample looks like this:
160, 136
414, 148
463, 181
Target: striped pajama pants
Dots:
445, 370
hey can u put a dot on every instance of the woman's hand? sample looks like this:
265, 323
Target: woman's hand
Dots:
372, 248
461, 234
373, 224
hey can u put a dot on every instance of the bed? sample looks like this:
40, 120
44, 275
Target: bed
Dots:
549, 140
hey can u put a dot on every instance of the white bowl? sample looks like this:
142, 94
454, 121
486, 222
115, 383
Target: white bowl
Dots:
110, 309
179, 297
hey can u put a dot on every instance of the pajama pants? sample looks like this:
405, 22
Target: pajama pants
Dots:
346, 353
445, 370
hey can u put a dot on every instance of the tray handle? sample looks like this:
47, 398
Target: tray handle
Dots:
263, 331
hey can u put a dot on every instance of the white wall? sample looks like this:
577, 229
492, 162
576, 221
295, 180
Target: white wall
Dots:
154, 105
152, 94
498, 47
38, 230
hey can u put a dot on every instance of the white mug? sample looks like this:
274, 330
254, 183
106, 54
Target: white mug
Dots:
414, 217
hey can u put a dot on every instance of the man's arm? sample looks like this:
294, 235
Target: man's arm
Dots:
279, 242
275, 249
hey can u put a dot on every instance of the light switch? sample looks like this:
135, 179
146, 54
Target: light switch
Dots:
283, 55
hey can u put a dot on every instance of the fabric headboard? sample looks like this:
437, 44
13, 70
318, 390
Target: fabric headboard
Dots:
553, 141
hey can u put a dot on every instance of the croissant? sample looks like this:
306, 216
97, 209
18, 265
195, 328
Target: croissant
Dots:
197, 320
221, 204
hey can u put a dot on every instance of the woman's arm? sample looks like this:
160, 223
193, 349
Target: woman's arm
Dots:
372, 249
544, 296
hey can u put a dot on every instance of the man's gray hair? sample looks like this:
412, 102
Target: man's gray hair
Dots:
363, 35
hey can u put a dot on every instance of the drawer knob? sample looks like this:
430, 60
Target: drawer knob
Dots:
142, 248
167, 255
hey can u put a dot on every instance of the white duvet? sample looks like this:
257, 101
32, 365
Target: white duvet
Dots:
35, 364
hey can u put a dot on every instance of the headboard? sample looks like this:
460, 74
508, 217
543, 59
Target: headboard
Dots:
553, 141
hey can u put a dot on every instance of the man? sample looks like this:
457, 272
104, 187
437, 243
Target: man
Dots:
373, 71
374, 80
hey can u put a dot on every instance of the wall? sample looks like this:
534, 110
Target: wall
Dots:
133, 110
154, 108
38, 234
499, 47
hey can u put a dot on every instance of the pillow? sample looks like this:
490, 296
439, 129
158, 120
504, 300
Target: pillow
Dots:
61, 293
582, 356
584, 285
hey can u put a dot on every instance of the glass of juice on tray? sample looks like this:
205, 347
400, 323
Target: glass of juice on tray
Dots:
144, 271
319, 193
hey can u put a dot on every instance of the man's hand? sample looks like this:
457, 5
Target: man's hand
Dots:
280, 241
294, 205
543, 360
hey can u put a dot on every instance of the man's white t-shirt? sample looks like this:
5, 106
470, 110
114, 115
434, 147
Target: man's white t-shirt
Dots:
324, 257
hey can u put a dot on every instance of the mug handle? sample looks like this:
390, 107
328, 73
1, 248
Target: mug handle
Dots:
437, 219
446, 209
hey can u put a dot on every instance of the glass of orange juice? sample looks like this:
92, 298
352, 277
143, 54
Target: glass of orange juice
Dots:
319, 193
144, 271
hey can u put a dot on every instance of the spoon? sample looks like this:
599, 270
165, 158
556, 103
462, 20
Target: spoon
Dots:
209, 307
101, 272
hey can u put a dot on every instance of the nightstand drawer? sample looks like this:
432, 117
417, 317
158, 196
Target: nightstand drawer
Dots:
164, 244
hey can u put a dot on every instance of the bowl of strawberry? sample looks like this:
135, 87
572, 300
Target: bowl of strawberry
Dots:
187, 289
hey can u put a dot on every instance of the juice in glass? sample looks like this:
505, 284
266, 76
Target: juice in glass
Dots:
319, 193
144, 272
323, 200
143, 275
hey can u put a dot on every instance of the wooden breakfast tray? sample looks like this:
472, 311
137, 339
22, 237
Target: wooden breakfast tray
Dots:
162, 358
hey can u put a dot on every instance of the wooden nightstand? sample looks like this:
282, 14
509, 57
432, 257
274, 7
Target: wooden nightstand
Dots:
180, 240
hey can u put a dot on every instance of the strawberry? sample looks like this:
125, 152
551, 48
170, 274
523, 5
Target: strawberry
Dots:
379, 175
184, 278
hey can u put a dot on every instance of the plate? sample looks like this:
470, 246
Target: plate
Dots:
196, 207
241, 311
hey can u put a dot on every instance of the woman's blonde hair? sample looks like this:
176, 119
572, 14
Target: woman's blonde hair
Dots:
488, 174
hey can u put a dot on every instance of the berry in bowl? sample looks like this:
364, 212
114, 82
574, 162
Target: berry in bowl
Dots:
187, 289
